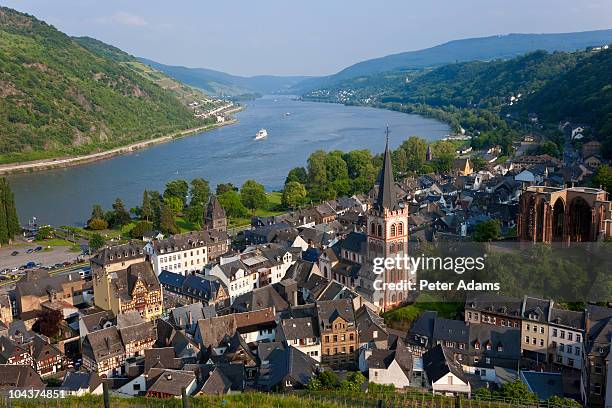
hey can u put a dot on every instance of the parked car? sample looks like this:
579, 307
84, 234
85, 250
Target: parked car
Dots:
38, 248
14, 253
30, 265
29, 251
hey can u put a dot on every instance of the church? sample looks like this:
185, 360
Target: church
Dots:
351, 260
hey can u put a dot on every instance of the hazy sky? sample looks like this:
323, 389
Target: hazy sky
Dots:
305, 37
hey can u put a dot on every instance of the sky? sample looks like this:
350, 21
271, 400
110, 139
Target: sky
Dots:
302, 37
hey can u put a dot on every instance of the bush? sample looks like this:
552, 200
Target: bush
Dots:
140, 229
97, 224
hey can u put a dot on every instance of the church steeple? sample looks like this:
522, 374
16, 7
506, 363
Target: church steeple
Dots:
387, 198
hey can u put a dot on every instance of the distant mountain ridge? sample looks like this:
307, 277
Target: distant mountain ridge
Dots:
471, 49
221, 83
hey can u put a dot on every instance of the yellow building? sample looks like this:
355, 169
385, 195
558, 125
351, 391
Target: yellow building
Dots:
124, 281
463, 167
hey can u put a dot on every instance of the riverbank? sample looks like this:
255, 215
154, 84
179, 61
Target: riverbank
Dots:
48, 164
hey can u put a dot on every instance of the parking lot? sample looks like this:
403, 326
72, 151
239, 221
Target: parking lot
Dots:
55, 255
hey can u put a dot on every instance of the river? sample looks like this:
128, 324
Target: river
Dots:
227, 154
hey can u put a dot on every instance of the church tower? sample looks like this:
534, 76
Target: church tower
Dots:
387, 234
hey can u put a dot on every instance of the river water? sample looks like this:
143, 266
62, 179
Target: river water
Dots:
227, 154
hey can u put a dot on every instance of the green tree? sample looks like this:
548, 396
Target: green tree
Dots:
174, 203
353, 382
141, 228
297, 174
120, 215
96, 242
317, 171
559, 402
359, 165
603, 178
253, 195
416, 151
335, 167
200, 192
45, 232
195, 214
178, 189
232, 204
167, 223
294, 195
156, 204
487, 231
478, 163
146, 209
9, 222
225, 187
97, 224
517, 391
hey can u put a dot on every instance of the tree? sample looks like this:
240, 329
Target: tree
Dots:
232, 204
167, 224
9, 222
49, 322
478, 163
359, 164
317, 171
487, 231
156, 203
146, 209
96, 242
195, 214
44, 232
517, 391
548, 147
294, 195
335, 167
603, 178
297, 174
416, 151
253, 195
353, 382
140, 229
174, 203
225, 187
97, 212
120, 215
97, 224
559, 402
178, 189
200, 192
326, 380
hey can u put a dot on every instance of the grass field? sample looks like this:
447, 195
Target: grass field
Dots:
273, 208
402, 317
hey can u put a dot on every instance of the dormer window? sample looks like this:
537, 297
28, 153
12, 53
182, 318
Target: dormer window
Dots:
477, 346
500, 348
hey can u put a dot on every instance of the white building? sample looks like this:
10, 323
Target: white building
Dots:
566, 337
301, 333
181, 253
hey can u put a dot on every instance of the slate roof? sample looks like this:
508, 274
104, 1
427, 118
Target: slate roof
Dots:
42, 350
123, 281
260, 298
19, 376
216, 383
103, 344
162, 357
214, 210
180, 316
354, 241
544, 385
568, 318
141, 332
9, 348
382, 359
182, 242
451, 330
299, 328
438, 362
213, 331
505, 343
387, 197
329, 310
493, 303
96, 321
539, 308
78, 380
289, 363
118, 253
169, 381
44, 284
367, 322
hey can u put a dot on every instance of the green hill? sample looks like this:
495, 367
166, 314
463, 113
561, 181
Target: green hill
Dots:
583, 95
58, 97
470, 49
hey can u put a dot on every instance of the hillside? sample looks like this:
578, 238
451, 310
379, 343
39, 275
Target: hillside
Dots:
472, 49
582, 95
220, 83
59, 98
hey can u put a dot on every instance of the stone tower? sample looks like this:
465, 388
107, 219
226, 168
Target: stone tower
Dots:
214, 217
387, 234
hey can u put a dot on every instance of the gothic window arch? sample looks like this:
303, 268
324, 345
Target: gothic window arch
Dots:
392, 230
400, 229
380, 230
372, 229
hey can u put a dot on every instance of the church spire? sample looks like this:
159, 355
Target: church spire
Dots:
386, 187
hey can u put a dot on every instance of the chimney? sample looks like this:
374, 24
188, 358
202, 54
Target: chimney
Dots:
190, 318
169, 377
295, 298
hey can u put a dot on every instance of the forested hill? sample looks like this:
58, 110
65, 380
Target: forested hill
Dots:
485, 84
59, 98
470, 49
583, 95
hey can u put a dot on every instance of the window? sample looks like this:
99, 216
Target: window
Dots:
477, 346
554, 332
541, 342
570, 336
569, 349
469, 315
577, 350
559, 359
393, 230
578, 338
380, 231
528, 327
400, 228
562, 334
527, 339
597, 389
598, 369
535, 328
561, 347
487, 360
533, 341
542, 330
570, 362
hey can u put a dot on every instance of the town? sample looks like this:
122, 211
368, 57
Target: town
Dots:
290, 303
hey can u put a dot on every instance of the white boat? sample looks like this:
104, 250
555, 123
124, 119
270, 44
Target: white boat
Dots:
262, 134
287, 113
